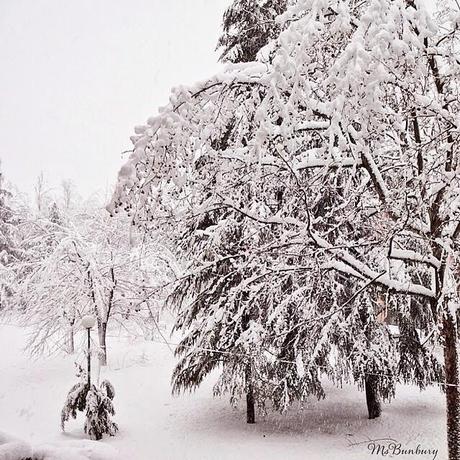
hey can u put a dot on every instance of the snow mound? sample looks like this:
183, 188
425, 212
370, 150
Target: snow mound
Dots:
14, 449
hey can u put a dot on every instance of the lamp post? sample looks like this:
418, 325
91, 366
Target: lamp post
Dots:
88, 322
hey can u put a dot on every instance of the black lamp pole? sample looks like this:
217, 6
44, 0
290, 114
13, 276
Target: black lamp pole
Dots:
89, 357
88, 322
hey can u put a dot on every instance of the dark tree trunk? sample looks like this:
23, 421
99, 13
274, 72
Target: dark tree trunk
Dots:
374, 407
250, 408
102, 332
250, 399
250, 402
452, 390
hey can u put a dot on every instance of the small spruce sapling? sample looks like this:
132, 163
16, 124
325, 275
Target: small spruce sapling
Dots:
95, 402
99, 409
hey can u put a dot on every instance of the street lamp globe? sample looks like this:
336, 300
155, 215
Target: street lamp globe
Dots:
88, 321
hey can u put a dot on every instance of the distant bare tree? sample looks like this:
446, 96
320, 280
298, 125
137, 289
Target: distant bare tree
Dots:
68, 193
41, 192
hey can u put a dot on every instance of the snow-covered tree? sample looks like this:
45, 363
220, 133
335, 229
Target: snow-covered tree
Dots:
41, 194
69, 194
125, 275
271, 331
248, 25
99, 409
54, 214
95, 402
224, 323
358, 101
88, 263
10, 252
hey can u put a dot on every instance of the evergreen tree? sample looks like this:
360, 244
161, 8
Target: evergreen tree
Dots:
95, 402
10, 251
55, 214
248, 25
222, 321
99, 410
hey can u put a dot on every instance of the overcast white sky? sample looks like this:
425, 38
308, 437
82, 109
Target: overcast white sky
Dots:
78, 75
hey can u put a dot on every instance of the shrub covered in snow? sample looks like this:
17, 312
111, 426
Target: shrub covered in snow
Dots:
99, 409
97, 405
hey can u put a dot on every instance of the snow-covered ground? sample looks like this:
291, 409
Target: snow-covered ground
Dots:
155, 425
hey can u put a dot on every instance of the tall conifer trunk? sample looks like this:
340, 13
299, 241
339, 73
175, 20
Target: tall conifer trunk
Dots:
452, 390
250, 399
250, 403
374, 407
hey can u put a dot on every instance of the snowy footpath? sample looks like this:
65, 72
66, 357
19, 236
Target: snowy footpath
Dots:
154, 425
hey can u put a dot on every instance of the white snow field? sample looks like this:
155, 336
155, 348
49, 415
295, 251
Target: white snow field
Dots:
155, 425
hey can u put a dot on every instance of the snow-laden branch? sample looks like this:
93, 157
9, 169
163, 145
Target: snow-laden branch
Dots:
346, 262
412, 256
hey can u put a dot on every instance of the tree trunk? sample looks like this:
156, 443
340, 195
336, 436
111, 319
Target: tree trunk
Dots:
374, 408
250, 401
250, 406
102, 332
452, 390
71, 341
